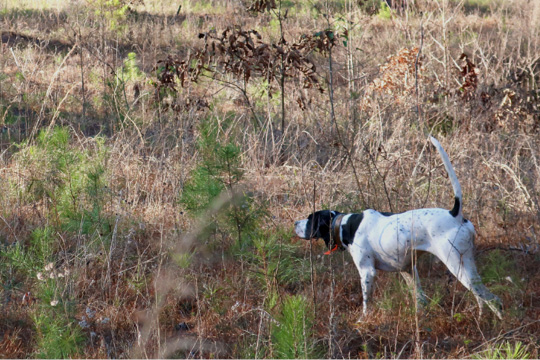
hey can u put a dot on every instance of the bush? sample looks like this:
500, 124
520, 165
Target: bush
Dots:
504, 350
70, 180
291, 336
220, 171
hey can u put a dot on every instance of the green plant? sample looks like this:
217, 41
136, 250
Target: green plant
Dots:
393, 297
220, 170
274, 260
291, 335
504, 350
200, 190
246, 348
130, 71
71, 180
41, 248
124, 76
33, 267
183, 260
459, 317
496, 268
114, 11
58, 335
371, 6
27, 261
436, 298
384, 11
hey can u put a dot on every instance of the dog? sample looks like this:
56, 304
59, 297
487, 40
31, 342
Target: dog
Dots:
386, 241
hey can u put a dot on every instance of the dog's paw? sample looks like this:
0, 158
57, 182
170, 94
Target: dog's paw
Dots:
364, 317
496, 306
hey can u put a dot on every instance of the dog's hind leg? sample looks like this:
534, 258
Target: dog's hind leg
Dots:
413, 282
462, 265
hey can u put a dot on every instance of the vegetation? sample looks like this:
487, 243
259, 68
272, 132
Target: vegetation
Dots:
154, 156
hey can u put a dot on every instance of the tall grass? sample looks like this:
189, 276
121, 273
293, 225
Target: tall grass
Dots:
167, 213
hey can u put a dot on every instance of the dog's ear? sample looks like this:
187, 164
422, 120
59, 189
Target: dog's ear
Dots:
321, 222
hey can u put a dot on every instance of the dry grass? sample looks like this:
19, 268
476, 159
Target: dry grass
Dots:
150, 280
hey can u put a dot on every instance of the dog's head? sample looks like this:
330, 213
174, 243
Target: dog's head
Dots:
317, 225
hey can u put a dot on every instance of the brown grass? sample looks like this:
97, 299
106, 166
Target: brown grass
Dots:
58, 66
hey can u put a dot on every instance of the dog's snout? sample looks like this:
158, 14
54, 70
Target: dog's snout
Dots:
300, 228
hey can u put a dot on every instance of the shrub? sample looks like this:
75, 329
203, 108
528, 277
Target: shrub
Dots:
504, 350
276, 262
220, 171
58, 337
71, 180
291, 336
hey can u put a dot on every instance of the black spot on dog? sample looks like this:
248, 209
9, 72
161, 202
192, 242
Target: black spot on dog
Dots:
349, 229
455, 210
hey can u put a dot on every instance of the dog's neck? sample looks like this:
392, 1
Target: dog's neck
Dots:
335, 230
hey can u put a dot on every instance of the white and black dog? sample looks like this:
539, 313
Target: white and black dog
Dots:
386, 241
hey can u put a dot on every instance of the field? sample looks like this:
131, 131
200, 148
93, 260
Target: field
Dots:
154, 156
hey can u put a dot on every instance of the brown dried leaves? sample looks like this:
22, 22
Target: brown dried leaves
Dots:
469, 74
243, 54
262, 6
397, 77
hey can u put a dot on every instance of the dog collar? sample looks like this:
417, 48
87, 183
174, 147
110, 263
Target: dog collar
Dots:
336, 236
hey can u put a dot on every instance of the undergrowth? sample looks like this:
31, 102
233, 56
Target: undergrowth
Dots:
155, 155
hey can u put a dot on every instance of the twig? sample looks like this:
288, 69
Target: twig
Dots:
333, 117
418, 112
49, 89
16, 62
311, 259
502, 336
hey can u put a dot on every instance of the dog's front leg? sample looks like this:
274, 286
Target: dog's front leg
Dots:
366, 268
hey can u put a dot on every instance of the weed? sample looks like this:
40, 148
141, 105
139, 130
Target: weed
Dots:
291, 336
504, 350
384, 11
247, 349
275, 261
200, 190
183, 260
496, 268
70, 179
115, 13
130, 70
392, 297
435, 298
58, 336
219, 171
371, 6
118, 84
57, 332
109, 207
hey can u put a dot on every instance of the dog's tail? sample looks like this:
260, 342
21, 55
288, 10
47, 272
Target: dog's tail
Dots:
456, 211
